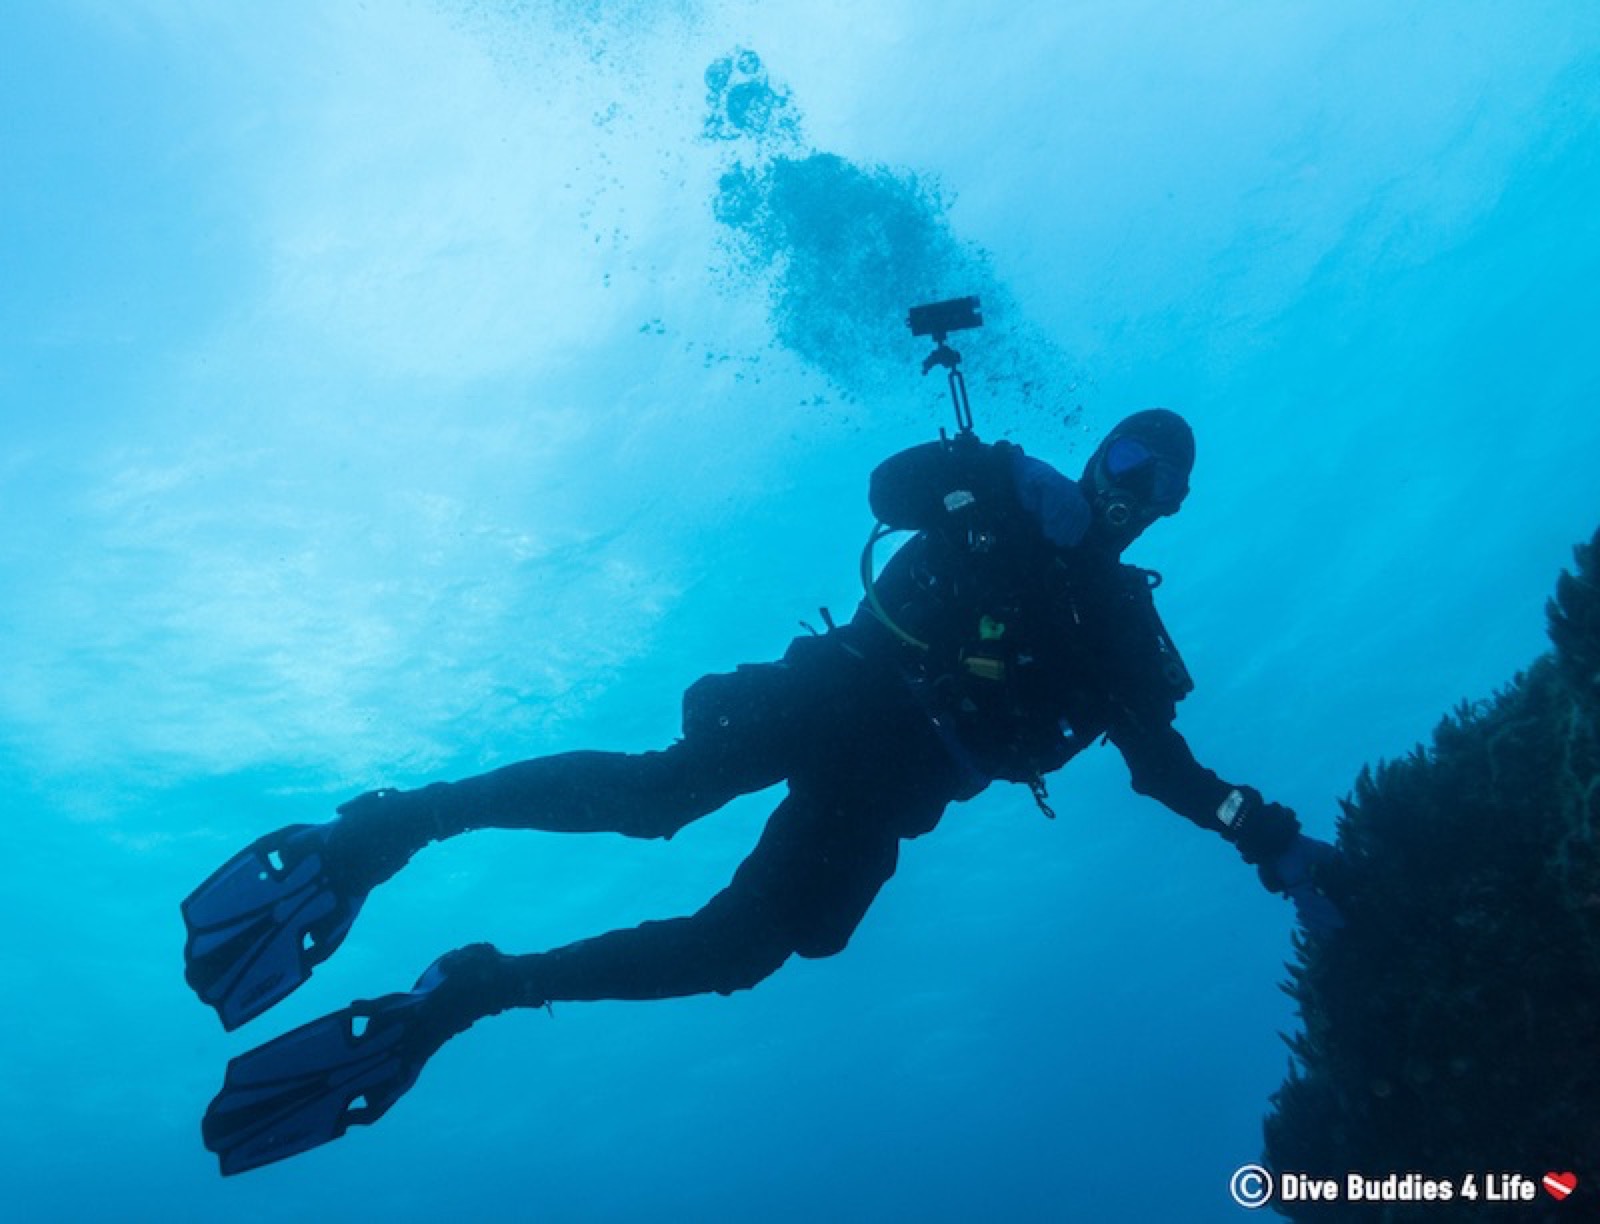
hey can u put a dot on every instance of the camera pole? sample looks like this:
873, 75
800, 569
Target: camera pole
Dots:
936, 319
947, 357
939, 319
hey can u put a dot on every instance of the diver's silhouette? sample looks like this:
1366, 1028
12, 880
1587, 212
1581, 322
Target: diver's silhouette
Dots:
1002, 640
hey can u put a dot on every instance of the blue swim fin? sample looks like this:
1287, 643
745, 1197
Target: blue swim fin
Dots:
263, 921
311, 1085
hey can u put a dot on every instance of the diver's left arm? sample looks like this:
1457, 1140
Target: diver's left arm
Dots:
1267, 835
1164, 768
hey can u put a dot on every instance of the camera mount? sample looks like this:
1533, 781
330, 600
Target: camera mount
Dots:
939, 319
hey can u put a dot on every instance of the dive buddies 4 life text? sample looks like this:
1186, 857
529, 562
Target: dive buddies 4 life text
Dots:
1253, 1186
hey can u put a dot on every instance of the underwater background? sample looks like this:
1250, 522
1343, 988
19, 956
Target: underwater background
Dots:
395, 390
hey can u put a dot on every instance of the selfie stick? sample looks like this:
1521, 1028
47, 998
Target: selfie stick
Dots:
939, 320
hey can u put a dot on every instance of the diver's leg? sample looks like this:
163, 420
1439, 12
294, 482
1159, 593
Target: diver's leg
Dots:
740, 735
651, 794
742, 732
264, 920
804, 889
825, 853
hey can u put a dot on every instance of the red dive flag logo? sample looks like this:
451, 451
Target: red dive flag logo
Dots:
1559, 1185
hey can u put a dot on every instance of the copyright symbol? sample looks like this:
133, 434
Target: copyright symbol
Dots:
1251, 1186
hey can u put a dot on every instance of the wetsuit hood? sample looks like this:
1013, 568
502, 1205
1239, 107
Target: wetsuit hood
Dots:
1139, 473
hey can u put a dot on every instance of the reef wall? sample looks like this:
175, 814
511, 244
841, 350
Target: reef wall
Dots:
1451, 1027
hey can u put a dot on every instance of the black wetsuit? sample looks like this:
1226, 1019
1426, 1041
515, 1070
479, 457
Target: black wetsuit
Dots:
1001, 644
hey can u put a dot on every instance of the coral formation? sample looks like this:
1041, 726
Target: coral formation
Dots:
1450, 1028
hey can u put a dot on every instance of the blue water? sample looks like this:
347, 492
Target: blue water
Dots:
392, 391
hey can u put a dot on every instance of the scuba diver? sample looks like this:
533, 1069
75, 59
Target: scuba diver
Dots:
1005, 637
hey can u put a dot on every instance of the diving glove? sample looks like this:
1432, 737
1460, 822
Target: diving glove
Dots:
1299, 873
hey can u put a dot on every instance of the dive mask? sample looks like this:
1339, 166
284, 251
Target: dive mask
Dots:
1129, 469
